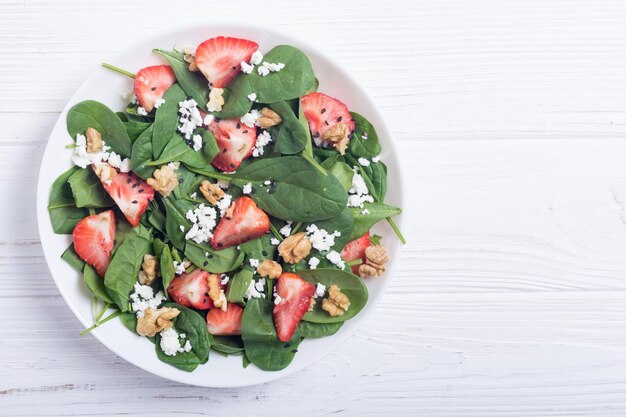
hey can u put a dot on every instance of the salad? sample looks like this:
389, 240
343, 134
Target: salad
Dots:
227, 207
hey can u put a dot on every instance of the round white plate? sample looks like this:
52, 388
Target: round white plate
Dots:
106, 86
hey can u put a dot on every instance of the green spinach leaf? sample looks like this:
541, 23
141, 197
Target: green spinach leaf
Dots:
63, 211
95, 284
193, 83
88, 190
365, 140
71, 257
175, 218
312, 330
375, 213
289, 136
166, 120
142, 154
238, 285
214, 261
228, 345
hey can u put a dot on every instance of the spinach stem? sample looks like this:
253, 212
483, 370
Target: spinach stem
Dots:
295, 229
94, 307
396, 230
104, 309
118, 70
70, 146
270, 287
275, 232
355, 262
92, 211
100, 323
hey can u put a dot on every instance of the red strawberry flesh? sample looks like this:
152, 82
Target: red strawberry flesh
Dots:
191, 290
131, 194
225, 323
323, 112
235, 141
295, 294
94, 237
243, 221
219, 59
355, 249
151, 83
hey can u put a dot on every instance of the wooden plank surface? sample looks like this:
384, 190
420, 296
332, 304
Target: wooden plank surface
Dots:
510, 298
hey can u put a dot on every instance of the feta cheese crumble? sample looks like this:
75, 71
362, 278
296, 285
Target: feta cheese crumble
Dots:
376, 159
320, 290
247, 189
250, 119
143, 298
286, 229
313, 263
170, 344
274, 241
363, 162
190, 117
252, 96
197, 142
208, 119
223, 203
194, 195
223, 184
335, 258
277, 299
158, 103
268, 67
225, 279
262, 139
256, 289
82, 158
180, 268
246, 68
255, 263
203, 219
365, 211
358, 193
141, 111
320, 238
256, 58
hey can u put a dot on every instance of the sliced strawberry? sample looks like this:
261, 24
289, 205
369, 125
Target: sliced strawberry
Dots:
151, 83
243, 221
131, 194
323, 112
295, 294
219, 59
191, 290
225, 323
94, 237
355, 249
235, 141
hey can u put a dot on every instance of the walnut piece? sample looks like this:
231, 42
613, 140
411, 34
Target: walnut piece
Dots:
149, 270
153, 321
338, 136
216, 292
337, 302
164, 180
375, 259
268, 118
94, 140
216, 101
295, 248
269, 269
211, 192
104, 171
189, 57
311, 304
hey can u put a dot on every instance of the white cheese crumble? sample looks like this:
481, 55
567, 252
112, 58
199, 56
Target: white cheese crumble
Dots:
197, 142
274, 241
267, 182
180, 268
170, 344
277, 299
225, 279
286, 229
247, 189
250, 118
256, 58
335, 258
251, 96
255, 289
181, 227
254, 263
262, 139
194, 195
268, 67
365, 211
223, 184
363, 162
364, 136
376, 159
313, 263
82, 158
158, 103
143, 298
190, 117
203, 219
224, 203
208, 119
141, 111
320, 290
246, 68
359, 193
320, 238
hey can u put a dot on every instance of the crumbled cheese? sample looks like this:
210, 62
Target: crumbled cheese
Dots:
203, 219
208, 119
143, 297
252, 96
250, 118
182, 335
170, 344
364, 136
256, 58
320, 238
158, 103
179, 268
335, 258
225, 279
359, 193
223, 203
277, 299
141, 111
246, 68
247, 189
313, 263
267, 182
262, 139
268, 67
274, 241
376, 159
363, 162
190, 117
197, 142
82, 158
286, 229
320, 290
255, 289
194, 195
223, 184
365, 211
116, 161
254, 263
174, 165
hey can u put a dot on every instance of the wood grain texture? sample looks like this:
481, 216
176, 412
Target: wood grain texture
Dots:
510, 298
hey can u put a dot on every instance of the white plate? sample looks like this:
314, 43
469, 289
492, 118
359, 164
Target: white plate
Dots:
106, 86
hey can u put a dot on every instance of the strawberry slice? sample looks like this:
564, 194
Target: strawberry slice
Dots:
355, 249
219, 59
243, 221
94, 237
225, 323
323, 112
191, 290
295, 294
151, 83
131, 194
235, 142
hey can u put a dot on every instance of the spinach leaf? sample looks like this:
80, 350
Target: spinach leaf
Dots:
375, 213
166, 120
166, 263
135, 128
374, 175
71, 257
177, 150
193, 83
95, 284
260, 248
301, 192
343, 223
187, 181
245, 361
364, 141
351, 285
312, 330
228, 345
238, 285
289, 135
88, 190
175, 218
122, 229
261, 343
142, 154
217, 261
194, 326
122, 272
343, 173
236, 101
330, 161
98, 116
63, 211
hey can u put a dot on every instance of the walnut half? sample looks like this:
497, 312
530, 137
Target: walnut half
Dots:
268, 118
375, 259
153, 321
337, 302
212, 192
295, 248
149, 270
164, 180
216, 100
94, 140
216, 292
104, 171
338, 136
269, 269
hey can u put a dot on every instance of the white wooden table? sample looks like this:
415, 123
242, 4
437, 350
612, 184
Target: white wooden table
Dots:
510, 299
